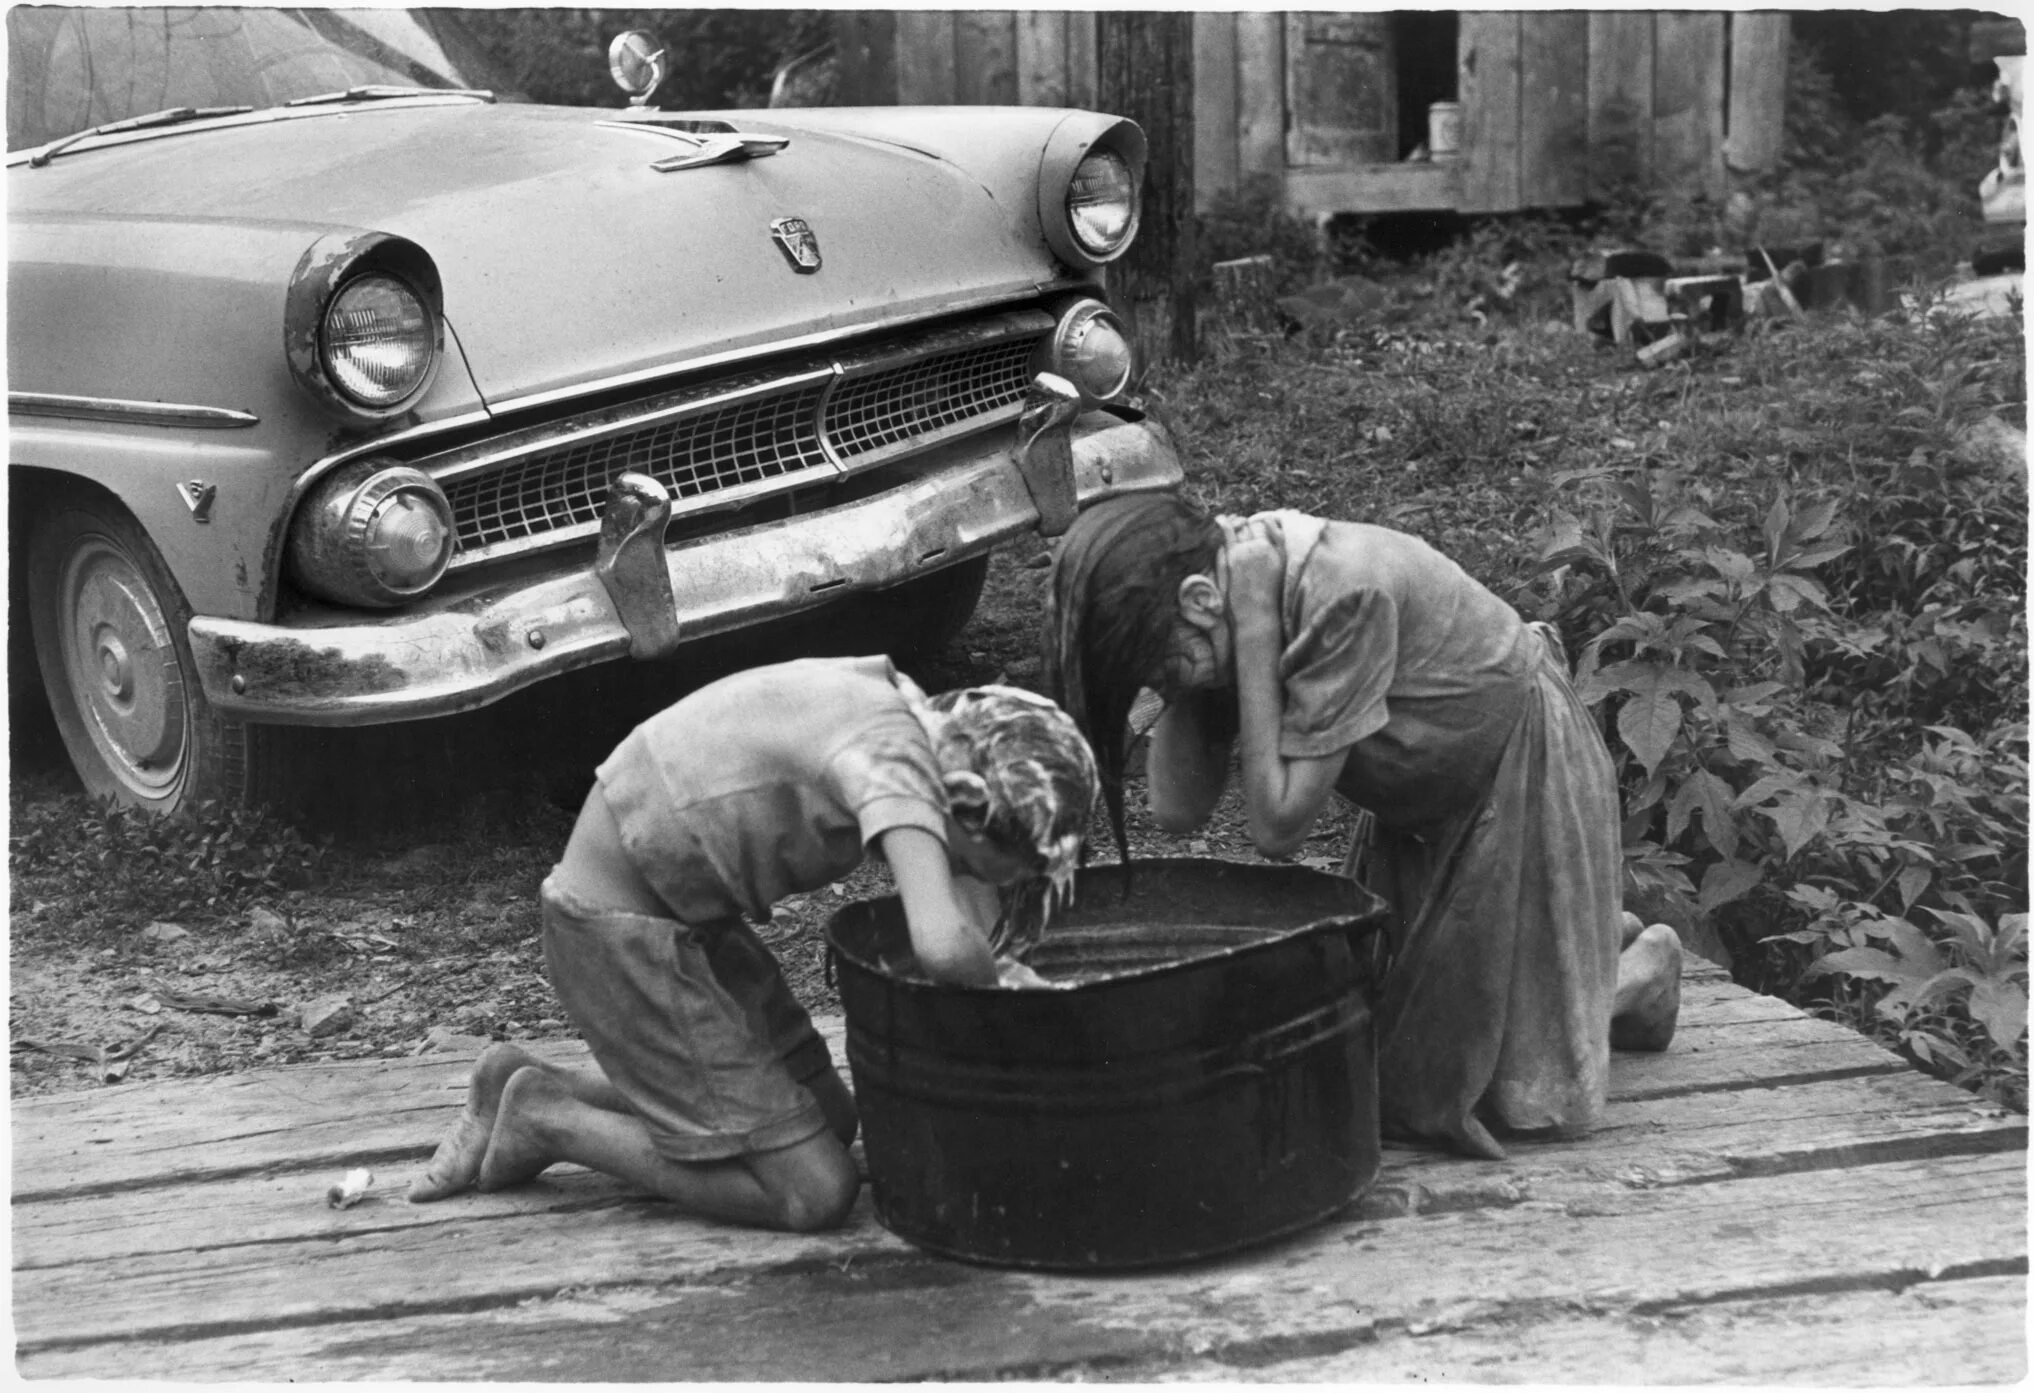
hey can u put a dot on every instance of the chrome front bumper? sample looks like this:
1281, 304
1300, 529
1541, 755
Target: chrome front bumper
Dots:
642, 599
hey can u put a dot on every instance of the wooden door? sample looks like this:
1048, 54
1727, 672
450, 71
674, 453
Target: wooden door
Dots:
1341, 90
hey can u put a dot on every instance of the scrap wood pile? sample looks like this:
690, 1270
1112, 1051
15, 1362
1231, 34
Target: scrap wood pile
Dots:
1643, 301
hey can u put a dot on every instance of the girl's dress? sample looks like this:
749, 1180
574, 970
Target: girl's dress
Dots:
1493, 829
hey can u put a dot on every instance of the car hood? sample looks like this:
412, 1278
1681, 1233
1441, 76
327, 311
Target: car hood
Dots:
566, 259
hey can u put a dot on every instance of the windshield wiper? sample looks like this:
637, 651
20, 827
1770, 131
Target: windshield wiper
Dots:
169, 116
384, 92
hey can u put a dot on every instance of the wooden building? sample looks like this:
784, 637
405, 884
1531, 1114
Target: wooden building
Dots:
1332, 108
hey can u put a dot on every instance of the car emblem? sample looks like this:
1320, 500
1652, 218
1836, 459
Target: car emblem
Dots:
799, 241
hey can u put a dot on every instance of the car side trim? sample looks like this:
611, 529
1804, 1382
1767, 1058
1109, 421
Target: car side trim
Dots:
139, 413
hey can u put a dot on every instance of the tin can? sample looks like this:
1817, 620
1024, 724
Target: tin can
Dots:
1444, 130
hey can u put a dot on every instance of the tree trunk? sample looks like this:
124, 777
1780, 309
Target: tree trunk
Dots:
1145, 71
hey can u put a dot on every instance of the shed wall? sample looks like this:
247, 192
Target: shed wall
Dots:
1559, 107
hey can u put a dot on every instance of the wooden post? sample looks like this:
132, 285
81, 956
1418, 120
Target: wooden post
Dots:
1145, 70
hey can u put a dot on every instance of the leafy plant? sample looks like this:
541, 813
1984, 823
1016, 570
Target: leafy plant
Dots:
108, 866
1814, 666
1957, 1003
1251, 220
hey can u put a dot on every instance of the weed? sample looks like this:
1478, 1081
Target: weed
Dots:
103, 866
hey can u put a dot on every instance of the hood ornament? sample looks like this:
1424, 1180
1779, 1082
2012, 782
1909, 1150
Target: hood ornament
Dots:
799, 243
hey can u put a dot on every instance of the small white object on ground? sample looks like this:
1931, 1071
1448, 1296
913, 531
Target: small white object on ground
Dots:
328, 1015
350, 1191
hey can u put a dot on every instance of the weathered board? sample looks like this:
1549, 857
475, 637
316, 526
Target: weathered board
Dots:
1773, 1199
1489, 75
1755, 121
1558, 106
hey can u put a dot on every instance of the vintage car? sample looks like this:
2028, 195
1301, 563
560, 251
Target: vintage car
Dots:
341, 391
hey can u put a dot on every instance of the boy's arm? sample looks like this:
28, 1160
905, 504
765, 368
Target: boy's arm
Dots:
1282, 796
1185, 769
944, 937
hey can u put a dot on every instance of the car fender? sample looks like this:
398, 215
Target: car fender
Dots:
176, 315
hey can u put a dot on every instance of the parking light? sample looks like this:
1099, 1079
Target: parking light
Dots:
372, 534
1090, 347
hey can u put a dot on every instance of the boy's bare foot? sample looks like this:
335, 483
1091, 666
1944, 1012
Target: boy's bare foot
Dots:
518, 1151
456, 1163
1648, 1001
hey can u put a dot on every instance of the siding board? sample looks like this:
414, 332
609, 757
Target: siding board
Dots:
1488, 81
1620, 98
1553, 121
1081, 79
1215, 121
1688, 101
1260, 96
1758, 91
925, 45
1041, 58
985, 57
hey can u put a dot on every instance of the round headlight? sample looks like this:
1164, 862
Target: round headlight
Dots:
378, 340
1101, 203
1091, 349
372, 535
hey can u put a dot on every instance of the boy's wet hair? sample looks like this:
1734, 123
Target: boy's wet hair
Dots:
1114, 603
1020, 776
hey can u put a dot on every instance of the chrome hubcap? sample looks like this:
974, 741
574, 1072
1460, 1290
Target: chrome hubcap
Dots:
123, 667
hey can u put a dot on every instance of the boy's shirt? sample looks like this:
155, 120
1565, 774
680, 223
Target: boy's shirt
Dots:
771, 782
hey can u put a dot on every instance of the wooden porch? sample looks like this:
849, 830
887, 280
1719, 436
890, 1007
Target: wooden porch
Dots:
1774, 1200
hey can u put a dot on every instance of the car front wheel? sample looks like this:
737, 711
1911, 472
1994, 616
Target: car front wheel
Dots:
109, 627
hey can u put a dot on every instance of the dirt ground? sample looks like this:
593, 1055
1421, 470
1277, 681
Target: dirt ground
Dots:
422, 919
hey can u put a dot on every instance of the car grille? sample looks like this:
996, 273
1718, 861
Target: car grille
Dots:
731, 440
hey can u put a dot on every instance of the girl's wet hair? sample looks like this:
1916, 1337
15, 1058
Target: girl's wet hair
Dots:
1114, 601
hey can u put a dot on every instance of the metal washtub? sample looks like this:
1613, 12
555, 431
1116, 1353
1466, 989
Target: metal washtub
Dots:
1208, 1082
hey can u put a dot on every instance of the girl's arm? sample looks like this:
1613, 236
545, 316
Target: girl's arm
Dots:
1185, 768
945, 938
1283, 796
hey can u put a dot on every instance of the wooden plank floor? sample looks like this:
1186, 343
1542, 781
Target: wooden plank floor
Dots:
1774, 1200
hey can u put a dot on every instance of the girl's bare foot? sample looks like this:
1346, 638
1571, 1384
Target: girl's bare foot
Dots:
1631, 926
1648, 1001
518, 1150
456, 1163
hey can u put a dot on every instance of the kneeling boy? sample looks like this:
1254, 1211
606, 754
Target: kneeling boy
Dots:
718, 1094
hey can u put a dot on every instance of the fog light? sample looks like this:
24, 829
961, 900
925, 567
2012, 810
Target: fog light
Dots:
372, 534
